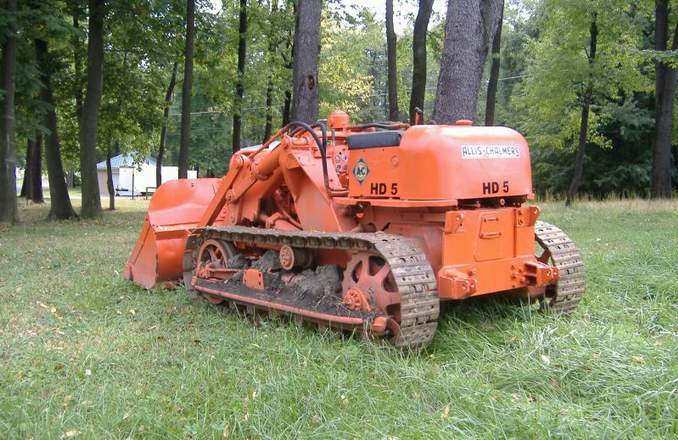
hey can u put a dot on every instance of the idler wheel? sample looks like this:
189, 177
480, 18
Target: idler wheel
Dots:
291, 258
213, 254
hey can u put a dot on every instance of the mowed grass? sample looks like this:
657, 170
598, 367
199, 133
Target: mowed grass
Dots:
85, 354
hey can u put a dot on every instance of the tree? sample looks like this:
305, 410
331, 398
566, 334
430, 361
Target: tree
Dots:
491, 101
186, 91
31, 187
35, 165
580, 85
109, 177
288, 57
163, 129
393, 113
469, 29
305, 103
77, 60
419, 57
8, 206
665, 91
24, 185
586, 101
353, 66
272, 44
60, 202
239, 84
91, 199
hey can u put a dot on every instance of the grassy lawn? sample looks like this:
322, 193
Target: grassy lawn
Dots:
84, 354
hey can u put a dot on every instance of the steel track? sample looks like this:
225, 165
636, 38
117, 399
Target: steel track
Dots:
416, 282
564, 296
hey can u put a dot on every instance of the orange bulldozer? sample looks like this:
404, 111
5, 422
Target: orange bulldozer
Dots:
362, 227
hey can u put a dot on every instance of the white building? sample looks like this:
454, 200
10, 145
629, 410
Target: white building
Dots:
132, 177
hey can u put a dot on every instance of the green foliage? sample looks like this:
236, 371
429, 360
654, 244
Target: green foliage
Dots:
131, 107
352, 66
545, 74
559, 72
546, 62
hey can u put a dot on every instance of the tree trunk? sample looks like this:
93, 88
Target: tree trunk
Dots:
268, 128
419, 58
77, 65
25, 186
665, 91
91, 199
491, 102
287, 108
240, 83
35, 166
305, 101
60, 202
469, 29
579, 158
109, 181
31, 187
163, 129
8, 205
187, 91
393, 113
584, 124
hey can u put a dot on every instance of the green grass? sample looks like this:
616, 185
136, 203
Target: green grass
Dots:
85, 354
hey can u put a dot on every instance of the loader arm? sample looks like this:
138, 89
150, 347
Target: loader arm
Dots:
242, 174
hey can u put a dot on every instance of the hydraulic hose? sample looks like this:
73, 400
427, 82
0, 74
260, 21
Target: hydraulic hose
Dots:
383, 125
322, 145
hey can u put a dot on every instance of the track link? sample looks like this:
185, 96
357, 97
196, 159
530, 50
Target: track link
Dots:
416, 282
564, 296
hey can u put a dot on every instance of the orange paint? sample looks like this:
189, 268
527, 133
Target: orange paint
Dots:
458, 190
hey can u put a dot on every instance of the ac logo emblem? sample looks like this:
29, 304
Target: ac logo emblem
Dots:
360, 171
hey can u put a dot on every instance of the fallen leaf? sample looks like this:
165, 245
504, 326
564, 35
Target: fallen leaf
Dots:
446, 411
70, 433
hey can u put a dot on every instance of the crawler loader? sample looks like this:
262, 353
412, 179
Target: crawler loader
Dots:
362, 227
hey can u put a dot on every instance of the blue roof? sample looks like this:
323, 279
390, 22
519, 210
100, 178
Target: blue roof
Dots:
126, 161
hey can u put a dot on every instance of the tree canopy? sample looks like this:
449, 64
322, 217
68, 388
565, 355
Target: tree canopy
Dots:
547, 76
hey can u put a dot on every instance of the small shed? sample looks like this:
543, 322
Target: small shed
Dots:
132, 176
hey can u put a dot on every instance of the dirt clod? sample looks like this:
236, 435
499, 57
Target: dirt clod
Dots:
238, 261
268, 262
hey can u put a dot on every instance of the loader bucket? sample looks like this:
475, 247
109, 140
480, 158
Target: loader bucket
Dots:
176, 207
